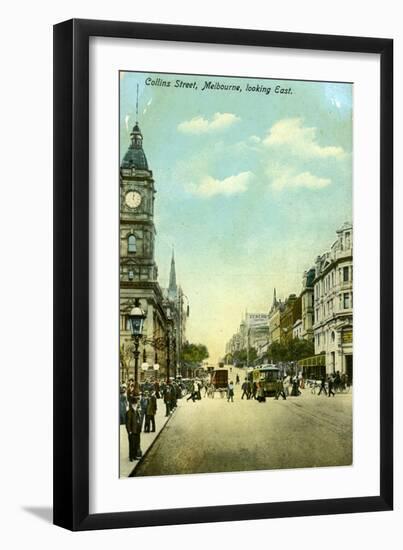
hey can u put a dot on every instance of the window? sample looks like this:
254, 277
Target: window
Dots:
131, 275
346, 300
131, 243
345, 274
333, 336
348, 240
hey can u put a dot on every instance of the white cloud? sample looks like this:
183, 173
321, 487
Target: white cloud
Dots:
300, 140
283, 178
210, 187
201, 125
127, 119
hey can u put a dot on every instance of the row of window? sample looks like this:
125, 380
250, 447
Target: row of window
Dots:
345, 302
132, 274
345, 275
321, 338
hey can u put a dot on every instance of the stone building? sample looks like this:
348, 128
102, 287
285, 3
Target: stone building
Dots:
288, 317
275, 334
333, 303
307, 305
138, 268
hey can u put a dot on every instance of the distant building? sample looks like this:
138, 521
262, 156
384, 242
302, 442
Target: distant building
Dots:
307, 305
275, 334
176, 311
297, 329
288, 317
333, 303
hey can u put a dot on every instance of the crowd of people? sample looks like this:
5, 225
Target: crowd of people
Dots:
333, 383
138, 407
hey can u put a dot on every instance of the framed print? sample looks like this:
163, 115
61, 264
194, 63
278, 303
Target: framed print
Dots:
223, 274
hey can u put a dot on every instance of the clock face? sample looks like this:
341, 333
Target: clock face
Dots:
133, 199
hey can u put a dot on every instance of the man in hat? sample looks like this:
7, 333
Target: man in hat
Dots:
133, 427
150, 413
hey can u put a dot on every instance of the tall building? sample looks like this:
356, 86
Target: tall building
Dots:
172, 289
138, 269
174, 305
333, 303
275, 334
307, 304
288, 316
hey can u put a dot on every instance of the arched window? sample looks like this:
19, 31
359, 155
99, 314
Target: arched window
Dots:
131, 243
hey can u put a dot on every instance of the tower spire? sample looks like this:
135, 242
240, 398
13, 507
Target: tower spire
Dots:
137, 105
172, 289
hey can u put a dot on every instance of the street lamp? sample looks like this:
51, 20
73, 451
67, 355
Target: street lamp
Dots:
136, 319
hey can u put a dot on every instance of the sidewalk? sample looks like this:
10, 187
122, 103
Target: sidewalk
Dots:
146, 440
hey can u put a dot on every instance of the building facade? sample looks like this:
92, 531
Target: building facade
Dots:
307, 305
139, 272
288, 317
333, 304
277, 307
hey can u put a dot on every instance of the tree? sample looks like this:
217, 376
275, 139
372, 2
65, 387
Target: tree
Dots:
241, 357
293, 350
194, 354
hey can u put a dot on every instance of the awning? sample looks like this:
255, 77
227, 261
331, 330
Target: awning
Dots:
314, 361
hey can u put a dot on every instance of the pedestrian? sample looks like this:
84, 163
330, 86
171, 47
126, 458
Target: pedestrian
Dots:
167, 399
244, 389
230, 392
131, 394
330, 385
157, 389
322, 386
173, 397
254, 390
286, 384
150, 413
237, 379
343, 382
194, 392
122, 405
279, 389
133, 427
337, 381
143, 407
295, 390
261, 395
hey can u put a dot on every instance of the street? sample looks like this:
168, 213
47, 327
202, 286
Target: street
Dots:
213, 435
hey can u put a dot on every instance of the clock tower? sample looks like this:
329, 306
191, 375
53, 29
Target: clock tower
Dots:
137, 230
138, 269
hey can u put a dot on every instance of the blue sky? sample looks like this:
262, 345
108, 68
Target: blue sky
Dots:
251, 187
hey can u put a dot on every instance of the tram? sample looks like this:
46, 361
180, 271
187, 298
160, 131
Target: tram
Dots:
267, 374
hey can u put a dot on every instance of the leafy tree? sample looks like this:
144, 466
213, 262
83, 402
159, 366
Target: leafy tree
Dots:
291, 351
241, 357
194, 354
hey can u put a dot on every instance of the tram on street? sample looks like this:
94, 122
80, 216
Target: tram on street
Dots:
267, 374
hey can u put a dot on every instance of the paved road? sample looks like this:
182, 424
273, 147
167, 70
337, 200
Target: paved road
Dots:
213, 435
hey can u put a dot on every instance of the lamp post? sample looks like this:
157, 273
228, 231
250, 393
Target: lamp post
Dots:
136, 318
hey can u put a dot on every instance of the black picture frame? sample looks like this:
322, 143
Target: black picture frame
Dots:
71, 273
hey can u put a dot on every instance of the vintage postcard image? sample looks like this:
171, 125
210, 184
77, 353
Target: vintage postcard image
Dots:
236, 274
